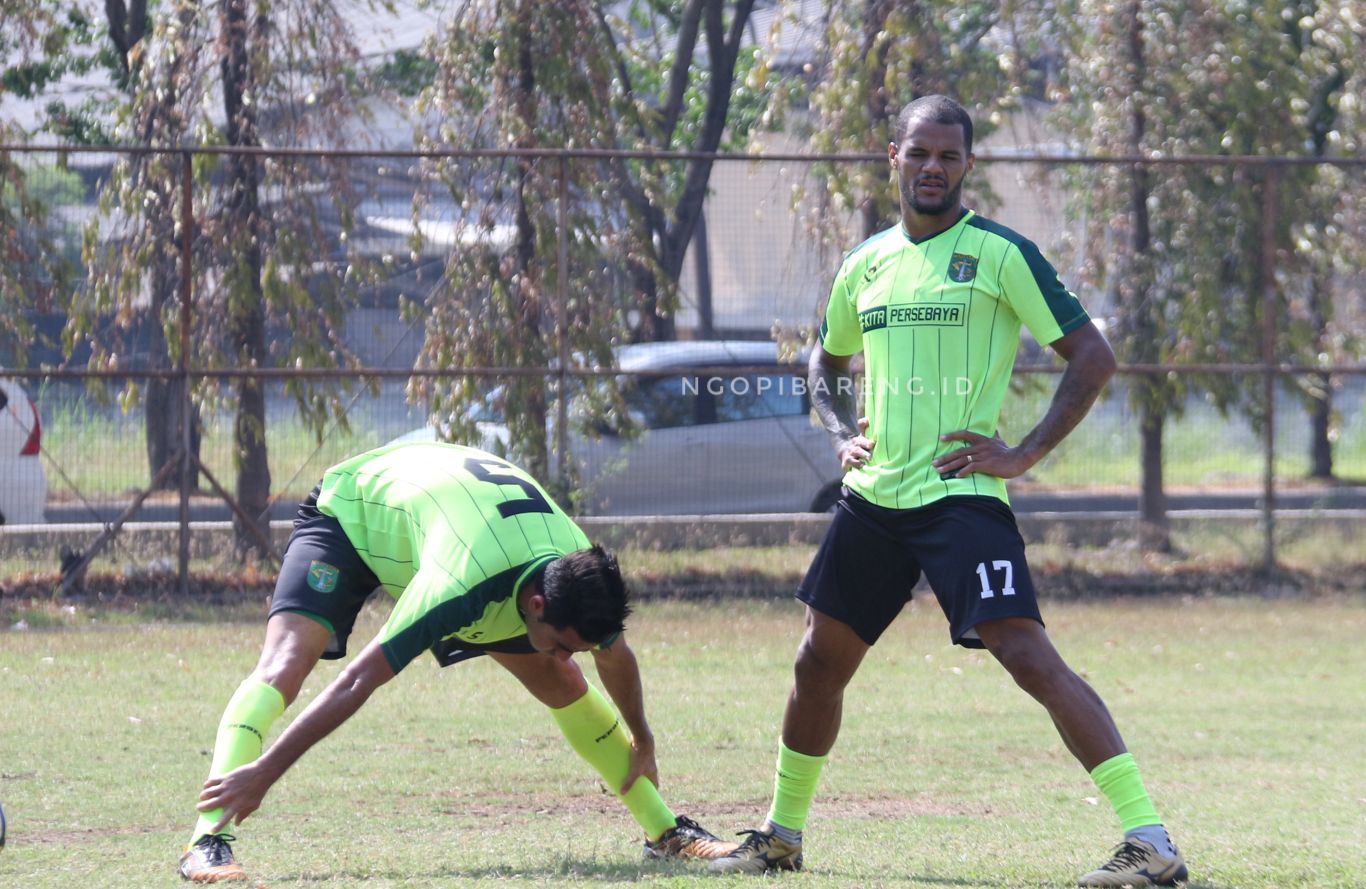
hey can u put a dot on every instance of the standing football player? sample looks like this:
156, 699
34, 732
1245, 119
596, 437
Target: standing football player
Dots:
479, 561
935, 305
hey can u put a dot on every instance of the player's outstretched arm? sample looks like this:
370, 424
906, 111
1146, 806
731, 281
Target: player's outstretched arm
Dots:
241, 791
620, 675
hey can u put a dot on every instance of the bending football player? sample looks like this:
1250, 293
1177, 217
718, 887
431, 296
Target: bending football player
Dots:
480, 561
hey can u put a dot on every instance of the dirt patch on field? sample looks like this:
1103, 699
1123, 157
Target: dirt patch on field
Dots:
77, 837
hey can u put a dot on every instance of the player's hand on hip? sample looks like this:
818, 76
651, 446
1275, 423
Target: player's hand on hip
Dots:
642, 765
990, 456
857, 450
238, 794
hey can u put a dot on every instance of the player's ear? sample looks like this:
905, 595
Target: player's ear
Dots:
535, 605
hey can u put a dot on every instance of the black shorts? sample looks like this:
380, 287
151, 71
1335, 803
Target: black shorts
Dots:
968, 547
323, 577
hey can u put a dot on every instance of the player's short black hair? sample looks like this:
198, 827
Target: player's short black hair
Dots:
936, 109
584, 591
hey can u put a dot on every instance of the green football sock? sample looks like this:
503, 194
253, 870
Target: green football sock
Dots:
794, 786
247, 719
1119, 780
594, 730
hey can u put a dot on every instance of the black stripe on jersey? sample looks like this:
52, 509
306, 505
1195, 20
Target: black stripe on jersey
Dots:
461, 479
892, 369
449, 616
391, 561
1067, 312
521, 529
930, 472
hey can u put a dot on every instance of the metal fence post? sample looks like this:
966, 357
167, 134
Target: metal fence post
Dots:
1270, 214
562, 322
183, 365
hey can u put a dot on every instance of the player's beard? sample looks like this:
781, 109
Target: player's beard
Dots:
949, 201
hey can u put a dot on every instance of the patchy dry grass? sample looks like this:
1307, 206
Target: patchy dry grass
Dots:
1245, 713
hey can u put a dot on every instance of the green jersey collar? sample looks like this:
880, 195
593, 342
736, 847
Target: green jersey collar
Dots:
905, 234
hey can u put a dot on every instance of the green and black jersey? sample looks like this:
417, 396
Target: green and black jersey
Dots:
452, 533
939, 322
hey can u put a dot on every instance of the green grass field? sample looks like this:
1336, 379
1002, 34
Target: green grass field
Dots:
1248, 716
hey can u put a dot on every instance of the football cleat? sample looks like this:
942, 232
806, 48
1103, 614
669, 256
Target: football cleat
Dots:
759, 853
210, 860
1136, 863
688, 839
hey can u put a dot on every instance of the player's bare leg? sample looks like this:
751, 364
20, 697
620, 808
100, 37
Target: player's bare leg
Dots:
554, 682
1147, 856
594, 729
828, 657
293, 645
1024, 649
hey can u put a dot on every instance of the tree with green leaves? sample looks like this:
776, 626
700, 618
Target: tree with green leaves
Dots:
875, 57
33, 265
1325, 43
1182, 247
243, 76
76, 44
530, 75
683, 78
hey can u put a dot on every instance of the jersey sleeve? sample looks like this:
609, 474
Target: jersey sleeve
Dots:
1032, 287
840, 331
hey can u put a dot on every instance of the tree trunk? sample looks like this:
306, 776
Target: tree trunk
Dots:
1320, 428
527, 287
1155, 531
1154, 526
1320, 398
706, 312
165, 399
723, 50
1321, 119
247, 321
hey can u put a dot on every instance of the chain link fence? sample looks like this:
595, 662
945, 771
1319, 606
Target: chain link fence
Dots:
201, 333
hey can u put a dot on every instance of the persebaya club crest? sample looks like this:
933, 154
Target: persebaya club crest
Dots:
322, 577
962, 268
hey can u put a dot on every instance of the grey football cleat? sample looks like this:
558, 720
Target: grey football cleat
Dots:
1136, 863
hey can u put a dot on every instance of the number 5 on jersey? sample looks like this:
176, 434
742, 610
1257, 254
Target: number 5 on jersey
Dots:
1008, 586
500, 473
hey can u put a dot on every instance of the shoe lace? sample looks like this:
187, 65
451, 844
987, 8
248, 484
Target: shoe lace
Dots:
757, 839
689, 827
1126, 855
216, 848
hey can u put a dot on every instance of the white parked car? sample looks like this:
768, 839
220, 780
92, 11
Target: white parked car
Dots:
708, 443
23, 483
